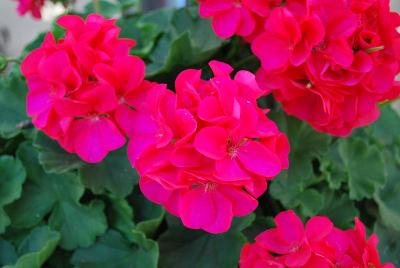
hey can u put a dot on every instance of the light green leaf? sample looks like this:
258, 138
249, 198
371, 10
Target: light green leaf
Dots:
113, 251
388, 198
114, 174
12, 176
36, 248
364, 165
387, 128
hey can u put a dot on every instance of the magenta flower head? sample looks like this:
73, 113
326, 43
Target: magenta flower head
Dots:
32, 6
78, 84
317, 245
206, 152
237, 17
331, 62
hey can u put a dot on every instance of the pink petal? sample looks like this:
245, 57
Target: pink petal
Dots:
212, 142
229, 170
298, 258
220, 68
273, 241
290, 227
242, 203
224, 214
154, 191
273, 51
94, 138
318, 227
258, 159
197, 208
226, 24
210, 109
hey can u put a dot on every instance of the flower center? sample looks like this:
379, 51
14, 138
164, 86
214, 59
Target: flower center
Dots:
210, 186
233, 148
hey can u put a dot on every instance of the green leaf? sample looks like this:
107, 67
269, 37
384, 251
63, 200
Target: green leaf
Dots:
114, 174
182, 248
387, 128
187, 41
389, 245
148, 216
59, 195
113, 251
36, 248
8, 254
106, 8
388, 197
364, 165
292, 187
12, 176
53, 158
78, 224
120, 216
332, 168
13, 116
339, 208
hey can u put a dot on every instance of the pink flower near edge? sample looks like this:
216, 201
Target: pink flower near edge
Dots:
80, 85
32, 6
317, 245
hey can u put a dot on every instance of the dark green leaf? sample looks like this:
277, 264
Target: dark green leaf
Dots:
182, 248
114, 174
36, 248
339, 208
387, 128
13, 116
8, 254
113, 251
148, 216
389, 244
106, 8
12, 176
58, 194
53, 158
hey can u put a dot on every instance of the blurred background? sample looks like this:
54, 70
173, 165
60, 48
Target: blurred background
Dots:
16, 31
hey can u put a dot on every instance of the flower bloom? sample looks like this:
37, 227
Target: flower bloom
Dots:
331, 62
318, 244
78, 85
32, 6
328, 62
205, 152
240, 17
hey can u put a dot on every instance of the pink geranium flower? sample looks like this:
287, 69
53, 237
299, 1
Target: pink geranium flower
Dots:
317, 245
32, 6
80, 87
240, 17
206, 152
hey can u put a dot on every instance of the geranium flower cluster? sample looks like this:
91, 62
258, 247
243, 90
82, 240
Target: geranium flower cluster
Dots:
32, 6
79, 84
317, 245
328, 62
205, 152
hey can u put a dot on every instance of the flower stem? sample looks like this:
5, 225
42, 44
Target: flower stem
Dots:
96, 6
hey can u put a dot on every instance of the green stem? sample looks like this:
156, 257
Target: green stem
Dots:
96, 6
